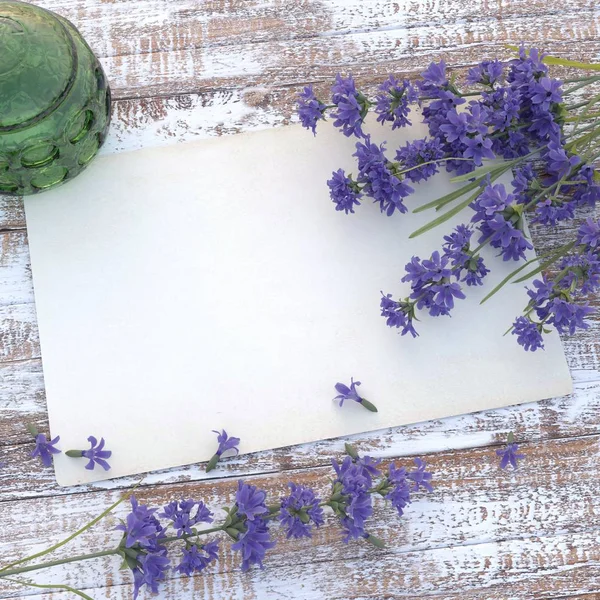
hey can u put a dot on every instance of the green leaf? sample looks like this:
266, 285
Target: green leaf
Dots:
480, 172
563, 62
553, 258
446, 216
448, 197
508, 278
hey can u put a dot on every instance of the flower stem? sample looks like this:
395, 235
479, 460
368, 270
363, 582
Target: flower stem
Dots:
54, 563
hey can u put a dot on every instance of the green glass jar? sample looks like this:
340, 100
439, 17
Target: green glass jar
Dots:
54, 100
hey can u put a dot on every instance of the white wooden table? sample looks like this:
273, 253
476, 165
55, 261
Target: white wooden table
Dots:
187, 69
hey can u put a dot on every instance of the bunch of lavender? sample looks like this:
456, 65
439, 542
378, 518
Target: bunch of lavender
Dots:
519, 114
156, 542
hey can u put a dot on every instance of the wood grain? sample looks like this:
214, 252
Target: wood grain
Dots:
187, 69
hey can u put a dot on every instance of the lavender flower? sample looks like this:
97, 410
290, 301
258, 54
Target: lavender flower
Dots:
509, 454
310, 109
392, 102
299, 510
141, 527
418, 152
378, 180
196, 558
399, 314
45, 448
95, 455
350, 393
487, 72
350, 106
151, 570
254, 543
420, 477
546, 92
589, 233
180, 513
343, 191
528, 333
250, 501
399, 489
226, 443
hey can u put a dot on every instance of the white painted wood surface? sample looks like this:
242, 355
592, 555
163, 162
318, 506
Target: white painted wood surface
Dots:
182, 69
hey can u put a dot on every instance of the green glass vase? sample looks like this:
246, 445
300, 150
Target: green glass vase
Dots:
54, 100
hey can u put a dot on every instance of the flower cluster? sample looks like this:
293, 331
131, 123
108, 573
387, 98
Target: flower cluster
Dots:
250, 521
520, 115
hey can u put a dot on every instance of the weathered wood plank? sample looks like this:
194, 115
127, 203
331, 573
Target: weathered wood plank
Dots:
474, 507
571, 416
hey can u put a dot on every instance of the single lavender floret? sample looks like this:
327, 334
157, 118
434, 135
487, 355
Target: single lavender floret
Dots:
510, 453
350, 393
343, 191
96, 454
546, 91
528, 334
45, 448
254, 543
310, 109
399, 494
226, 443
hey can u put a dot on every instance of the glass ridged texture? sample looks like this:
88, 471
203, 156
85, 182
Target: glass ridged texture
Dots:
54, 100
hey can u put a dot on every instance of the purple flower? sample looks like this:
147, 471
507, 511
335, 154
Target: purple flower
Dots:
478, 148
310, 109
567, 316
350, 106
45, 449
528, 334
418, 152
226, 443
379, 181
250, 501
141, 526
399, 494
546, 92
434, 75
196, 558
359, 509
552, 211
151, 571
344, 192
456, 126
254, 543
589, 233
420, 477
393, 102
509, 455
558, 162
181, 515
398, 314
350, 393
347, 393
352, 476
487, 72
299, 510
96, 454
582, 272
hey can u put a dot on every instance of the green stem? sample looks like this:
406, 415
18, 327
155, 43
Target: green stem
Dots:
55, 563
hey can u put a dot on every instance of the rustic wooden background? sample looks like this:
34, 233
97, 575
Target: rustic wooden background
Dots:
187, 69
